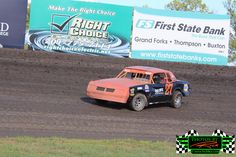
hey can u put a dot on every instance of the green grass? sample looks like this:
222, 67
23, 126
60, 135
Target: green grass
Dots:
61, 147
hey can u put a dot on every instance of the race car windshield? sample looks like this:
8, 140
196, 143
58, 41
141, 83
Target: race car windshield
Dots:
135, 76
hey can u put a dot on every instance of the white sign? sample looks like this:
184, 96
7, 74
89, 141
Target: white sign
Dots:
180, 36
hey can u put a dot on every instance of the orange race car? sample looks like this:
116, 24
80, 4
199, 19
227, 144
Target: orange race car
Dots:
140, 86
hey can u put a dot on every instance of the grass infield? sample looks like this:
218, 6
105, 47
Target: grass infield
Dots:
61, 147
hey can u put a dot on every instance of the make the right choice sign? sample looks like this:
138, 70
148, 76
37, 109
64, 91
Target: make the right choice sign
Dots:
180, 36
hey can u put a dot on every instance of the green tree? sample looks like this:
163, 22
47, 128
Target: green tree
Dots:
230, 6
28, 17
188, 5
232, 45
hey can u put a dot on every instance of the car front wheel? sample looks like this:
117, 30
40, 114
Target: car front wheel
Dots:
139, 102
176, 101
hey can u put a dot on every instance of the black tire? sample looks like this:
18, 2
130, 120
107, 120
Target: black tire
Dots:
138, 102
176, 100
98, 101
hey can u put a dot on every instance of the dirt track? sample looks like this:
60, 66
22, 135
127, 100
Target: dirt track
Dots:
43, 94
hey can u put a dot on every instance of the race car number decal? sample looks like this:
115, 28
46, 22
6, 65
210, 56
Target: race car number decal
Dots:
168, 89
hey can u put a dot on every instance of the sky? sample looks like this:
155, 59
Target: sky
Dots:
214, 5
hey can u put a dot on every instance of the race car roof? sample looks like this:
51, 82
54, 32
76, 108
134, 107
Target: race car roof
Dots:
147, 69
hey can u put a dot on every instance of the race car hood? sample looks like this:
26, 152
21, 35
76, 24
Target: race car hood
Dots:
114, 89
117, 83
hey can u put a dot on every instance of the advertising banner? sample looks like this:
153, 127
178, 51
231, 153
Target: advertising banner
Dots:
12, 23
80, 27
180, 36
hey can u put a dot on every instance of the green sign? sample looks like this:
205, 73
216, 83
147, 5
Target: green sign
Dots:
80, 27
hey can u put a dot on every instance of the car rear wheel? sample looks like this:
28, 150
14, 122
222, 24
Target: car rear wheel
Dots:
139, 102
176, 101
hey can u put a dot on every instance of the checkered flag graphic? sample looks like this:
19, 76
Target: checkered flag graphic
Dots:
192, 133
228, 147
231, 147
180, 149
219, 133
181, 145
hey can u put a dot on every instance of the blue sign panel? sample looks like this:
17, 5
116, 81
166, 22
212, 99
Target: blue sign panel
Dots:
12, 23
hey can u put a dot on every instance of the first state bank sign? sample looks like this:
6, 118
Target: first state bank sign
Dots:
180, 36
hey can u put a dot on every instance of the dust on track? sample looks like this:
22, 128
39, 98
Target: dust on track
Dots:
43, 94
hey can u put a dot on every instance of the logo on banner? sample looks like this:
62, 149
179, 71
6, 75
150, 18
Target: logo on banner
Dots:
4, 28
89, 28
212, 144
145, 24
181, 27
60, 23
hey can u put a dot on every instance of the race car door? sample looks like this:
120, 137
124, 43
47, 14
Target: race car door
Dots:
158, 88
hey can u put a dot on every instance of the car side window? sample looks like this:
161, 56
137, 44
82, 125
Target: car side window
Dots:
159, 78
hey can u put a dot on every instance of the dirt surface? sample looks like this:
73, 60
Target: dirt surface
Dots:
43, 94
